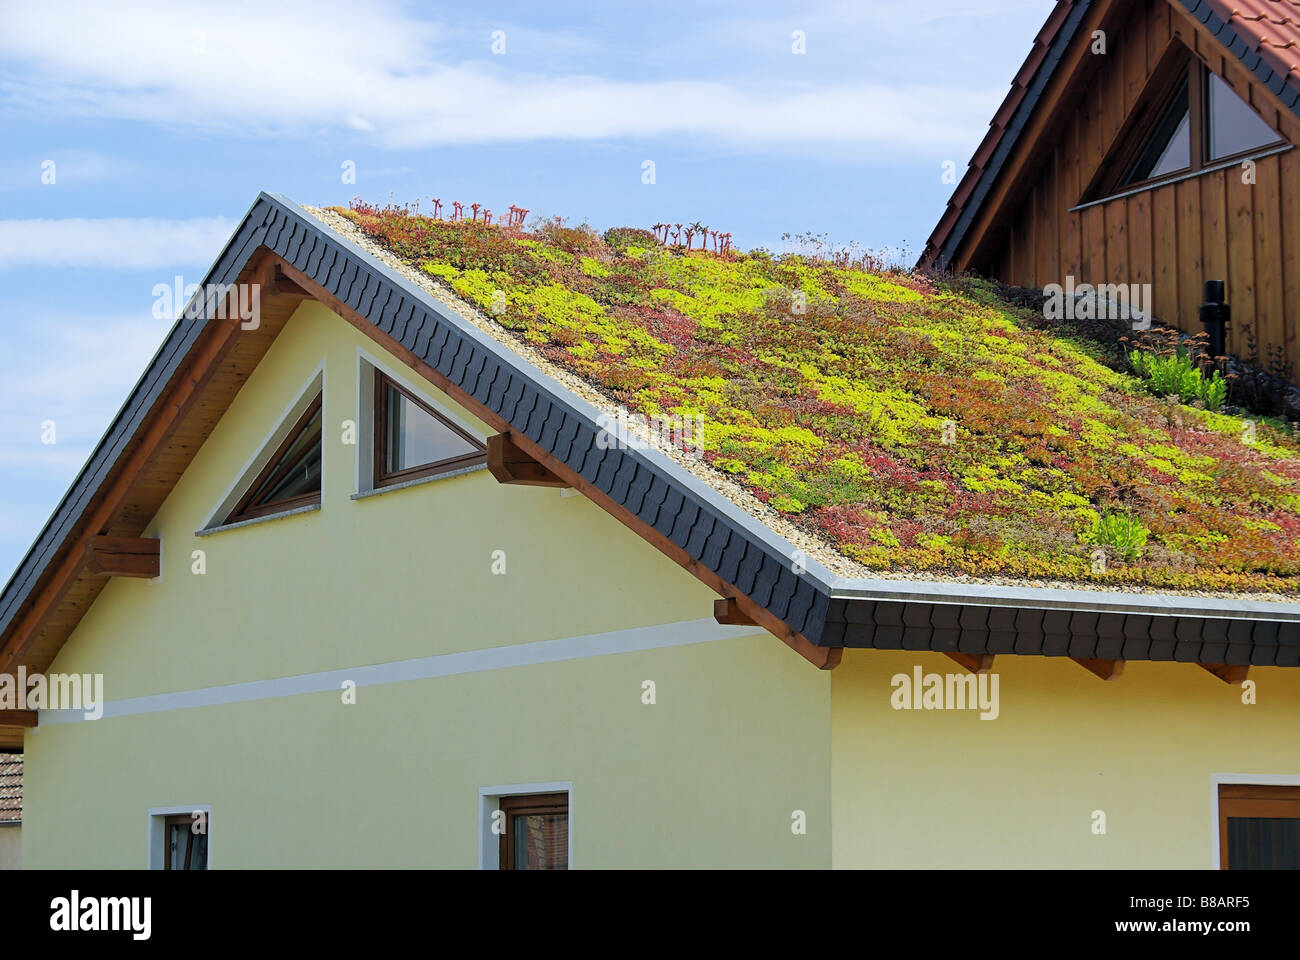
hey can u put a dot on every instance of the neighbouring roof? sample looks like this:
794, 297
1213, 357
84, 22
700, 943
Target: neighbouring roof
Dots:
1263, 34
1004, 130
1269, 28
11, 787
836, 407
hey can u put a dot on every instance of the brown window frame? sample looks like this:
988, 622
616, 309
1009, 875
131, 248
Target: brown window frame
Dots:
1253, 801
243, 511
524, 805
1179, 66
381, 477
175, 820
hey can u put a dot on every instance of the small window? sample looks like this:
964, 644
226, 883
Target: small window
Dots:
186, 848
413, 440
1259, 827
536, 832
292, 476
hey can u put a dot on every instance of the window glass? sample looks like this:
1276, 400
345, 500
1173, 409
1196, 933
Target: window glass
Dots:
186, 850
292, 478
1170, 148
1234, 126
416, 438
297, 471
541, 841
1263, 843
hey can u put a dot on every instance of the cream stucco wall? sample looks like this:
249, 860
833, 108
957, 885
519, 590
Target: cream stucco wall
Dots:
707, 776
943, 788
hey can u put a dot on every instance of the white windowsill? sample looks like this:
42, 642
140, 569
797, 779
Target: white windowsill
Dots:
308, 508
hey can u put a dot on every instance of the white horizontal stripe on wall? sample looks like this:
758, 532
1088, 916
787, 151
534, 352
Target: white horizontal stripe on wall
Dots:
679, 634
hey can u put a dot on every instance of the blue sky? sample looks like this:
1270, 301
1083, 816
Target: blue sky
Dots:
162, 121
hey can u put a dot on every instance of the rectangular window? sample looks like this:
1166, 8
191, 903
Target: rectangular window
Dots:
413, 440
536, 832
184, 848
1259, 827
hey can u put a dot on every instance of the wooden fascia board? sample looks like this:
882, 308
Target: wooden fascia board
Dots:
18, 718
167, 413
824, 658
1074, 65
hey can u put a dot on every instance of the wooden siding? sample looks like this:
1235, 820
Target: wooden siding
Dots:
1174, 236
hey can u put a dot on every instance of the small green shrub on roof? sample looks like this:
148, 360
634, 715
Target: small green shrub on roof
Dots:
1175, 375
1125, 534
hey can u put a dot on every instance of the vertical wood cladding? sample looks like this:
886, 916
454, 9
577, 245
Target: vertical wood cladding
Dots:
1174, 236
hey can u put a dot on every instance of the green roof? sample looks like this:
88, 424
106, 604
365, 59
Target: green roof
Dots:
909, 424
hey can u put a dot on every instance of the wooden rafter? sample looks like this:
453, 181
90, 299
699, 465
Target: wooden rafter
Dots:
123, 557
508, 462
272, 282
973, 662
1106, 669
1234, 674
727, 611
18, 718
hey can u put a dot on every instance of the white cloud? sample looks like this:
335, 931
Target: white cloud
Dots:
76, 373
114, 243
380, 71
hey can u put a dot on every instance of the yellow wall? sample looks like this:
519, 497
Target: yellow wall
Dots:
708, 776
917, 788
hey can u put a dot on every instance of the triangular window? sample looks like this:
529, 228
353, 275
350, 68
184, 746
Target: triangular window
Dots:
291, 477
1170, 148
413, 440
1187, 120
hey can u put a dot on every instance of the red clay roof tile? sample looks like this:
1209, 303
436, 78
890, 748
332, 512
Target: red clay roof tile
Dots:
1271, 27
